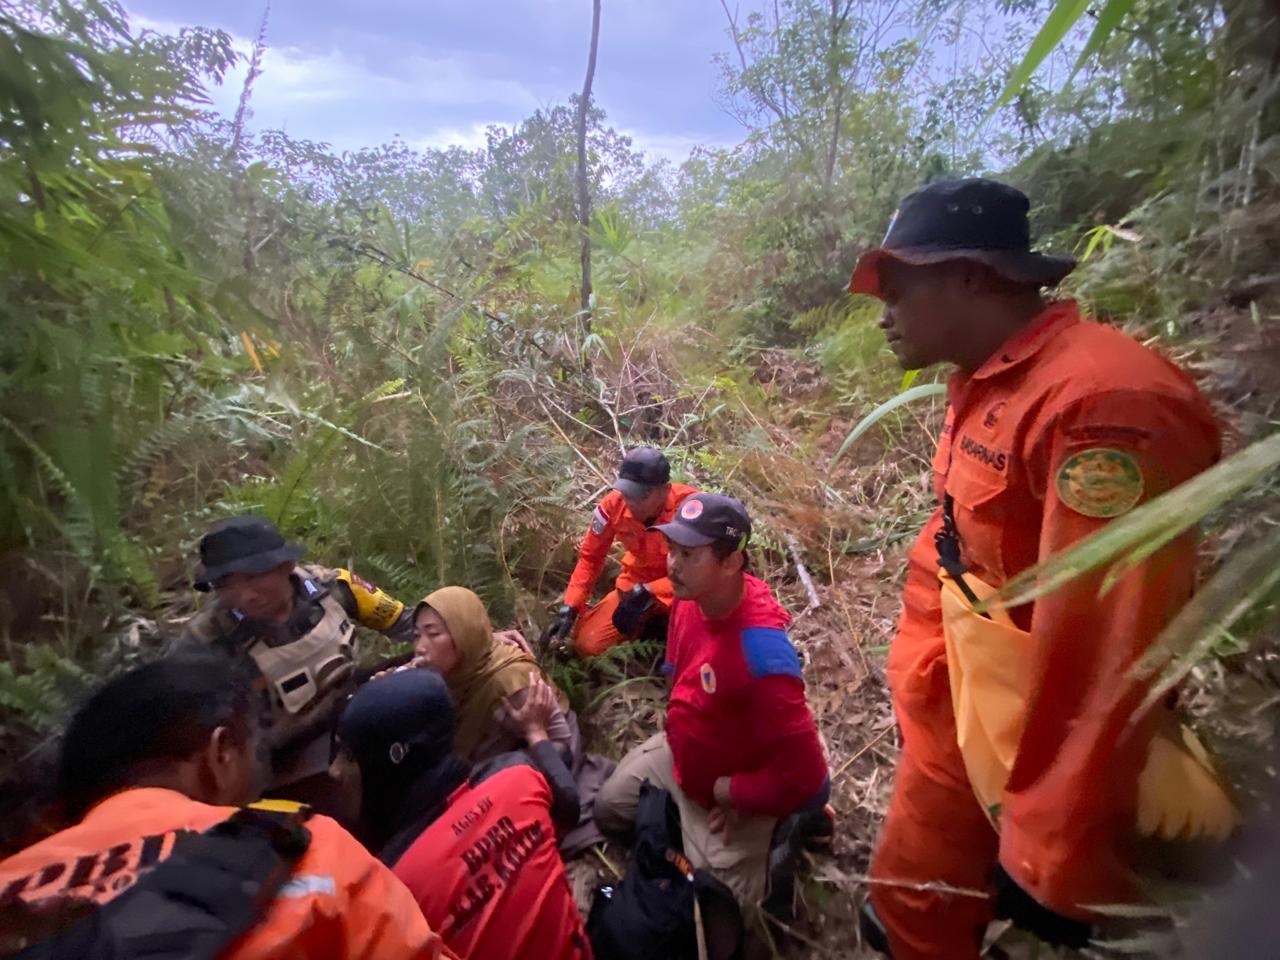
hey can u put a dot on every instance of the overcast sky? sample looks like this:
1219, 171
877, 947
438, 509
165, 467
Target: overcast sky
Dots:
438, 72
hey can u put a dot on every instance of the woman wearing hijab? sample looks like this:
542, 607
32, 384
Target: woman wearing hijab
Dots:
454, 638
477, 851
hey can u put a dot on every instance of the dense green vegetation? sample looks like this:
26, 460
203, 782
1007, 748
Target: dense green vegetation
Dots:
384, 350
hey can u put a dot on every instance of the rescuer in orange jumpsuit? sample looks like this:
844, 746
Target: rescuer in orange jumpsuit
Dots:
642, 497
1055, 425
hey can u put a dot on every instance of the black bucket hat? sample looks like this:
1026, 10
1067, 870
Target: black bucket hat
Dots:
242, 545
974, 219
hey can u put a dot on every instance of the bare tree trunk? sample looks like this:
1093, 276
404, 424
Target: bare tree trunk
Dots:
584, 198
836, 84
833, 148
237, 142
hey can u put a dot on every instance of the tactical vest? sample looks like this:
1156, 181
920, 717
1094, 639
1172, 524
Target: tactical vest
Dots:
301, 671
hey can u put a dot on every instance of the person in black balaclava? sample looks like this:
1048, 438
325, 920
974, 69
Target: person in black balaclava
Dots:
477, 851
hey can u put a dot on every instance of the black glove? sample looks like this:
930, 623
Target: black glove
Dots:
1027, 913
628, 616
561, 629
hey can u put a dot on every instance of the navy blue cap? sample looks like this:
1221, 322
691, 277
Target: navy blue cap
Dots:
705, 518
642, 469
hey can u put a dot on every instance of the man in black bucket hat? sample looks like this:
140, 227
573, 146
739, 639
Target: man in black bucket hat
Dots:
978, 220
1019, 768
296, 623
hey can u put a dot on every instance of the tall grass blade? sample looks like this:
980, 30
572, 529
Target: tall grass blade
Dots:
879, 413
1064, 16
1246, 582
1108, 20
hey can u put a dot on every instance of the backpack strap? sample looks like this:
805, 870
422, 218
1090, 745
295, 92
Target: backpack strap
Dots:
947, 541
207, 893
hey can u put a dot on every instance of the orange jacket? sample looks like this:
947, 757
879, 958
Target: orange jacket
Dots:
340, 902
645, 560
1070, 424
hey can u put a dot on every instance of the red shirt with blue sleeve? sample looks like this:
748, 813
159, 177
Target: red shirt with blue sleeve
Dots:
737, 707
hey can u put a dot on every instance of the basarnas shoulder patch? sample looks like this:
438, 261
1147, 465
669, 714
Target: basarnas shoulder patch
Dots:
1100, 482
599, 521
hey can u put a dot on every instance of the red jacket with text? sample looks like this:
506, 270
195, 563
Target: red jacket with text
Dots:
488, 875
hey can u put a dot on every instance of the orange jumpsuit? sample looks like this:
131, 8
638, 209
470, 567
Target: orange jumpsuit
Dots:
339, 903
644, 562
1025, 453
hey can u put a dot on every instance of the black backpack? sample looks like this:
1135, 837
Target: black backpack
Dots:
191, 906
650, 913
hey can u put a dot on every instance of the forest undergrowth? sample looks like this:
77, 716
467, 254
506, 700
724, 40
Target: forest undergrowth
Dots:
384, 350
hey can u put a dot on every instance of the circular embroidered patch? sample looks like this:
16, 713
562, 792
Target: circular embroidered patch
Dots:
1100, 482
691, 510
708, 677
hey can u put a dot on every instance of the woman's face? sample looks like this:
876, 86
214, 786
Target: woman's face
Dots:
434, 646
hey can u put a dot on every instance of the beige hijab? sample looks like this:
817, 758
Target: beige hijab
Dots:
488, 670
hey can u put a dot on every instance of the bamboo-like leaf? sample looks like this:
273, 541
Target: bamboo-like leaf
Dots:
1245, 582
909, 378
1064, 16
878, 414
1095, 237
1108, 20
1144, 530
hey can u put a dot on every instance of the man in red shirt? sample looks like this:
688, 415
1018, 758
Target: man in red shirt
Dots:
476, 849
642, 496
741, 748
1055, 426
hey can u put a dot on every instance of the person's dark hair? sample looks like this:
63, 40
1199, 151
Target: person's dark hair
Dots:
153, 716
722, 549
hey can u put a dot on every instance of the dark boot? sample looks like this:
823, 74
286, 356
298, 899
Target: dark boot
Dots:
873, 932
811, 830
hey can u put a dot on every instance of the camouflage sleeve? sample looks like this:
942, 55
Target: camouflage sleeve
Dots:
201, 632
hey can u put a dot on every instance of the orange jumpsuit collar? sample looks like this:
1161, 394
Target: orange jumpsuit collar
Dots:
1027, 342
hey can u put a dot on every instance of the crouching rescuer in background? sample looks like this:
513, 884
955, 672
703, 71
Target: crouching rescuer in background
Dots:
740, 749
642, 496
1025, 766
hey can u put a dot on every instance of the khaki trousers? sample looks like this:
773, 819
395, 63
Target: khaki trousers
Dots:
741, 862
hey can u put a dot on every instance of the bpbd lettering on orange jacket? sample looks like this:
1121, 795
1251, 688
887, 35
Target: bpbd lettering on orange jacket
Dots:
93, 875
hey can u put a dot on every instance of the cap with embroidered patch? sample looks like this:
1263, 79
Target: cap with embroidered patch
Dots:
704, 518
642, 469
